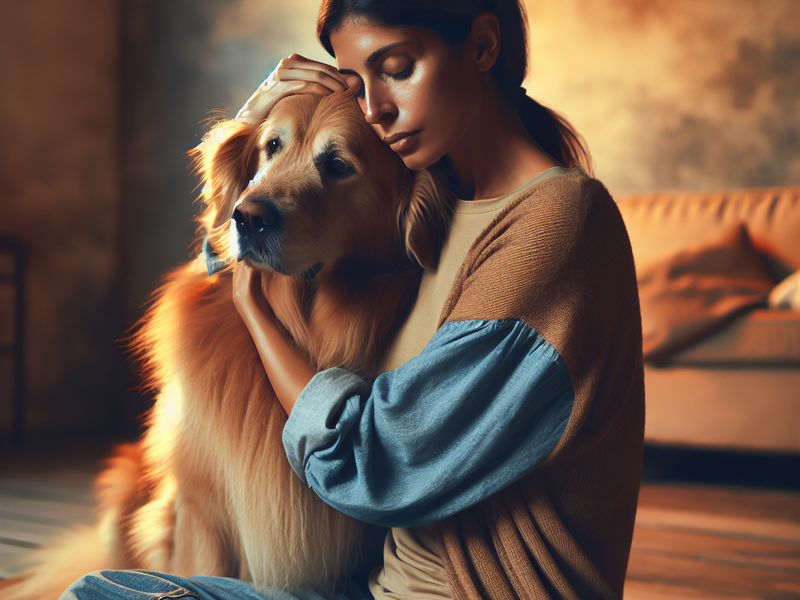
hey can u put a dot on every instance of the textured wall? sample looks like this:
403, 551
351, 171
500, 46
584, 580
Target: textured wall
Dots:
675, 94
59, 193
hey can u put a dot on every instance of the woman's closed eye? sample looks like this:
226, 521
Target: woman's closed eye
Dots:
396, 72
398, 67
404, 74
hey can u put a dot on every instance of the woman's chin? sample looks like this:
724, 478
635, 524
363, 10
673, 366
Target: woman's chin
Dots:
417, 161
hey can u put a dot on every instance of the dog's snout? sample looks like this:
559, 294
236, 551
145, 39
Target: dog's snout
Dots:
256, 216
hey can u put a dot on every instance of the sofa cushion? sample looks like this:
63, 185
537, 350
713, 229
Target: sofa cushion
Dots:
759, 337
663, 223
688, 295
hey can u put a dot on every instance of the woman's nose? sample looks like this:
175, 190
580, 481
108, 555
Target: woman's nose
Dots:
378, 108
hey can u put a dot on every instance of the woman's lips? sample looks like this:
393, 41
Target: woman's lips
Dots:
402, 142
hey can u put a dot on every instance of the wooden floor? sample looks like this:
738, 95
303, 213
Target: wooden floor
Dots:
691, 541
696, 542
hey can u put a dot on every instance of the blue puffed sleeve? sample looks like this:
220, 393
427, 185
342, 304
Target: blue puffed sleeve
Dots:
479, 407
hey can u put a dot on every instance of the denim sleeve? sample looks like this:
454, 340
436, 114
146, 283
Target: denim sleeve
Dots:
479, 407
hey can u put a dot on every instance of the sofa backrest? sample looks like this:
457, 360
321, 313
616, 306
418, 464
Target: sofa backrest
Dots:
661, 224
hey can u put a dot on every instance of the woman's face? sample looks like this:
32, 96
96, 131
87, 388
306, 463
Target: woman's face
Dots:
419, 93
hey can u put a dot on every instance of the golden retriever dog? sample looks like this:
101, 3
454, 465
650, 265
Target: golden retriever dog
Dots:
332, 219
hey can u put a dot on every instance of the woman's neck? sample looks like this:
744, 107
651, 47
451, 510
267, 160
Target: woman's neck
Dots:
496, 155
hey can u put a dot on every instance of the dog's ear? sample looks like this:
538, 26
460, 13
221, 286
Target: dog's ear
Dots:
425, 217
226, 161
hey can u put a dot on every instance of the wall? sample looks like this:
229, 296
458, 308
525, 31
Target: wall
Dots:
59, 192
675, 94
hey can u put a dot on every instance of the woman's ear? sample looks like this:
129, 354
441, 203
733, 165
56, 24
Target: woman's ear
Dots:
485, 34
425, 218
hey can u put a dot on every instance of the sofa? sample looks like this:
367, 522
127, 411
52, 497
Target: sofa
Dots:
730, 377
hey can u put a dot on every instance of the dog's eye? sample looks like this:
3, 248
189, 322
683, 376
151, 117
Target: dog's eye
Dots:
273, 146
336, 167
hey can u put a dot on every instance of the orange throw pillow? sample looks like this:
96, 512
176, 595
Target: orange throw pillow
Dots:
697, 291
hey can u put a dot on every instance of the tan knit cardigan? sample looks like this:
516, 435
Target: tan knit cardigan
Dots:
559, 259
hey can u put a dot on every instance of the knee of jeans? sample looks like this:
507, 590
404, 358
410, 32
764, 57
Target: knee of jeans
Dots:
79, 588
123, 585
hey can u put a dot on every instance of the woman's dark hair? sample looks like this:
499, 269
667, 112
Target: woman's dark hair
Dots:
452, 20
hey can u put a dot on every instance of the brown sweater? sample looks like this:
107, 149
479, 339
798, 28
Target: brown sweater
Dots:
558, 258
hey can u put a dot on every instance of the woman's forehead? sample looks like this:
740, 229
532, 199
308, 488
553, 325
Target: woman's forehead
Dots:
357, 44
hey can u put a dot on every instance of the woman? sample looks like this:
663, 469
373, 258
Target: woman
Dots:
503, 442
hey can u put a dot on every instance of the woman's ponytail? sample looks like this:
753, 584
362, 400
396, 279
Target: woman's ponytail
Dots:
553, 133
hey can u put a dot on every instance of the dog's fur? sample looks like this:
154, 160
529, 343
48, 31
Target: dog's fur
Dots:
208, 490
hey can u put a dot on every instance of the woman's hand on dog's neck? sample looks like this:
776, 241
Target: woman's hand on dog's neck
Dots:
283, 361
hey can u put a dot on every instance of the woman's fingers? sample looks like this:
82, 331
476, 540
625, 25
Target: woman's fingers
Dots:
261, 103
246, 283
301, 62
248, 293
242, 280
334, 84
293, 75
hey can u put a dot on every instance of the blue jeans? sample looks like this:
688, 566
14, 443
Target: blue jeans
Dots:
146, 585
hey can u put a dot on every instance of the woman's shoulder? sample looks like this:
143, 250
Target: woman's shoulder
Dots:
550, 217
566, 198
544, 233
559, 245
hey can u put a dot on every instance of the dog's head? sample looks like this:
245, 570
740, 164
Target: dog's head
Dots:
312, 185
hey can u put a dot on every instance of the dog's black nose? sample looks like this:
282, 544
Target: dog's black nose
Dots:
256, 216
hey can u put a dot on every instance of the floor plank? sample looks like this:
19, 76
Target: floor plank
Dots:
12, 559
44, 511
69, 485
723, 525
643, 590
743, 502
714, 548
45, 490
714, 543
713, 577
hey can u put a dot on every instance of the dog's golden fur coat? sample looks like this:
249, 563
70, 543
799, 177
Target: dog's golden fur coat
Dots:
208, 489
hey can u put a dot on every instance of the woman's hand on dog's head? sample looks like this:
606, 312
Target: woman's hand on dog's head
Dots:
293, 75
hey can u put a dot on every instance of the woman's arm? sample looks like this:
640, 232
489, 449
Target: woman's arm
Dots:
482, 405
285, 365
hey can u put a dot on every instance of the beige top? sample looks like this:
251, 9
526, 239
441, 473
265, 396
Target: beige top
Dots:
413, 567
